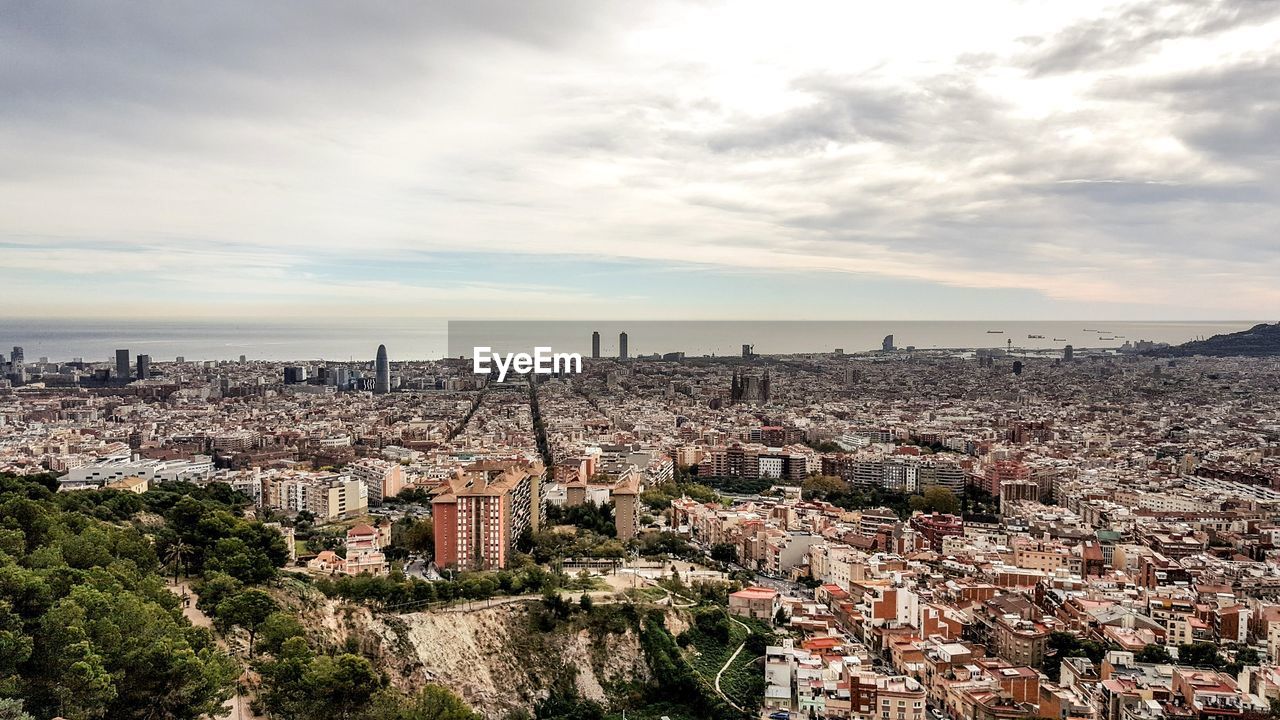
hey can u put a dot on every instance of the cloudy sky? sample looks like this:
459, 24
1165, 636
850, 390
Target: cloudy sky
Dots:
854, 160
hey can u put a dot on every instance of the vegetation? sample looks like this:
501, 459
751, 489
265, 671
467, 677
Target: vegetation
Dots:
87, 627
590, 516
978, 505
414, 535
1258, 341
549, 545
300, 683
737, 485
660, 497
935, 499
666, 544
396, 590
89, 630
1155, 654
840, 493
1064, 645
409, 496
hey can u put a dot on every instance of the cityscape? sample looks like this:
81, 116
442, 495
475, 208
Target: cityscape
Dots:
662, 360
928, 534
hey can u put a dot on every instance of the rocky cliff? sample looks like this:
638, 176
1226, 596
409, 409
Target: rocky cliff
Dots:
498, 659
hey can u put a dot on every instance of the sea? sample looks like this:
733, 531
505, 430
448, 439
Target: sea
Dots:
344, 340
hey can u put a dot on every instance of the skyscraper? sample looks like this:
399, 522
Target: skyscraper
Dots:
887, 344
1068, 353
382, 372
622, 346
18, 357
122, 363
144, 367
595, 345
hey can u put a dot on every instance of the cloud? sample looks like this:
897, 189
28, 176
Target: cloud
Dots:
1088, 153
1134, 30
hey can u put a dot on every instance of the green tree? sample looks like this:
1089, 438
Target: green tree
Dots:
724, 552
340, 686
1201, 654
248, 610
433, 702
175, 554
1155, 654
419, 536
935, 498
824, 487
279, 627
11, 709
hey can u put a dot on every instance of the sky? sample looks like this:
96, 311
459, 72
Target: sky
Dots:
591, 159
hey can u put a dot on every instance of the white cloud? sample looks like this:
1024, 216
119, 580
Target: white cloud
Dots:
1093, 152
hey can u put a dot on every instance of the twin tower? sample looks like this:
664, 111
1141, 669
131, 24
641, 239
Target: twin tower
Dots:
595, 346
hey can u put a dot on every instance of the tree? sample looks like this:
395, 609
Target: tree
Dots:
1201, 654
278, 628
585, 603
824, 487
11, 709
340, 686
780, 618
248, 609
175, 554
419, 536
431, 703
756, 644
1154, 654
1065, 645
935, 499
1248, 656
724, 552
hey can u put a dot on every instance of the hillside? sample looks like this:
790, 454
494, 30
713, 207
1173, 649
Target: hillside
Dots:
494, 658
534, 659
1258, 341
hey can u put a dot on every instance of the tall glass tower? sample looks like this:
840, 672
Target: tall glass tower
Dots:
382, 379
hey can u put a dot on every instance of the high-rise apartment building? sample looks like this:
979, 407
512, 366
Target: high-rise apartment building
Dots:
122, 363
144, 367
622, 346
595, 345
481, 513
626, 509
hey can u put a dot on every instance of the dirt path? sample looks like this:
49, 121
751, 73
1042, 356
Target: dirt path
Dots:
729, 662
237, 708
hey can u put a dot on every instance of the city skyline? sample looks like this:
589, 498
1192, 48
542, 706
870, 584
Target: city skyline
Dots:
1053, 161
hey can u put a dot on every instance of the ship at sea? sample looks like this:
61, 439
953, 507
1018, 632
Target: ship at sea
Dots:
995, 332
1035, 337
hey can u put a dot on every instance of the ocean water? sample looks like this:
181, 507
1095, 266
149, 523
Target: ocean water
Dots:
62, 340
